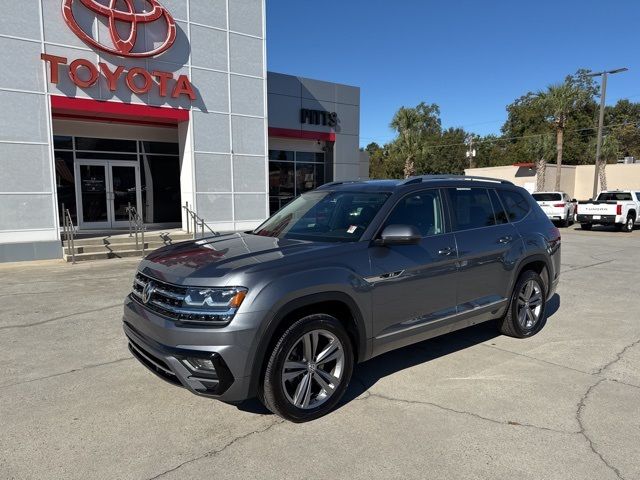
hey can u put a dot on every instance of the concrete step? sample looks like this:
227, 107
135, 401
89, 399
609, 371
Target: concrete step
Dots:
167, 238
115, 247
80, 257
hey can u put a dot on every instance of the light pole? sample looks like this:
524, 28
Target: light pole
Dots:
601, 121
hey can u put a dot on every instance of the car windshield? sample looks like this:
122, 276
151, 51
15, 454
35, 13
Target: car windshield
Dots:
614, 196
547, 197
324, 216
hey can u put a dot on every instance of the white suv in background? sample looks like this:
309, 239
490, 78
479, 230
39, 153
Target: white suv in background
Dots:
557, 206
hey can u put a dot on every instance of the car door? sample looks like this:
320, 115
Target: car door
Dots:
485, 241
414, 285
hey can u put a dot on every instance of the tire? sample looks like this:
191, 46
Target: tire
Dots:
628, 225
517, 322
586, 226
290, 398
565, 223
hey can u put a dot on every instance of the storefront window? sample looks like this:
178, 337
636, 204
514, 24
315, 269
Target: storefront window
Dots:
293, 173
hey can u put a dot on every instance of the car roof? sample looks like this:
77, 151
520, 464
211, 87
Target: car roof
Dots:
400, 184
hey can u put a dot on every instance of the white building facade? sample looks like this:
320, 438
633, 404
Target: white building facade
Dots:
155, 105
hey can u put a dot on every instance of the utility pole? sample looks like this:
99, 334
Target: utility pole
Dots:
471, 152
603, 94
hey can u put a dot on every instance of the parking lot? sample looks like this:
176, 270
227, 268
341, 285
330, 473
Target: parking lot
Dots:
564, 404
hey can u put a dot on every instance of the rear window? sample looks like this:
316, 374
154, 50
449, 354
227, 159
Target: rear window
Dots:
515, 204
547, 197
614, 196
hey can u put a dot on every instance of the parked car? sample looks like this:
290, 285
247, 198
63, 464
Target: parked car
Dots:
557, 205
341, 274
615, 207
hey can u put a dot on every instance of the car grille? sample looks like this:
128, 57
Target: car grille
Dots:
168, 300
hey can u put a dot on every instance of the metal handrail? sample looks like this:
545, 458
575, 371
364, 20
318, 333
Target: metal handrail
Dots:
68, 232
136, 225
198, 222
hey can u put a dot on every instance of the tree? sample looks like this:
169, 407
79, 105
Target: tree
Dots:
413, 125
540, 148
609, 153
559, 102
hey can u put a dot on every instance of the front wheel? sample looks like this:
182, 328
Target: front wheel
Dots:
309, 369
525, 314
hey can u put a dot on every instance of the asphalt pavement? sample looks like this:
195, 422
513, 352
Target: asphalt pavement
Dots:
564, 404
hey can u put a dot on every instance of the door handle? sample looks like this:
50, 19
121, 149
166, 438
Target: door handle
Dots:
505, 239
445, 251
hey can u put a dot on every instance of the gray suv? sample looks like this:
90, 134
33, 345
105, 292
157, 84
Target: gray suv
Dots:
341, 274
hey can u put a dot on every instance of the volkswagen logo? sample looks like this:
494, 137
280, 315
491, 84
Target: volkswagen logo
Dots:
117, 19
147, 291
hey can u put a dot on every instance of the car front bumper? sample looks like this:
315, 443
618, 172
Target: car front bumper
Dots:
169, 351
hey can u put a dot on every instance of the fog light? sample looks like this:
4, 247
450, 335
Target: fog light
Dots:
200, 364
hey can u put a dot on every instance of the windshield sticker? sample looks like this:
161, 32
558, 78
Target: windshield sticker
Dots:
352, 228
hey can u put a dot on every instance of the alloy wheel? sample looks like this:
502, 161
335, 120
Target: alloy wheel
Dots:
529, 304
313, 369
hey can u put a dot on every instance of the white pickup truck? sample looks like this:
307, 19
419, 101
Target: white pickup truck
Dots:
620, 208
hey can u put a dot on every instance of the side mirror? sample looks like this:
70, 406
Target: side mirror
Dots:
573, 200
399, 235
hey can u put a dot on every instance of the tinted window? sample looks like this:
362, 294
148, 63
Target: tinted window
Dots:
547, 197
614, 196
501, 215
638, 196
515, 204
324, 216
422, 210
471, 208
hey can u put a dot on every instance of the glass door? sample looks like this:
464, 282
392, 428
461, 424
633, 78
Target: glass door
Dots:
92, 195
103, 192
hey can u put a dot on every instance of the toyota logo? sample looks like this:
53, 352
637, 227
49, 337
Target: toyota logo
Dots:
147, 291
117, 19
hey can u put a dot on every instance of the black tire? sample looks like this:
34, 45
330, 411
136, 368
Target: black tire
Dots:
273, 392
628, 225
586, 226
510, 325
565, 223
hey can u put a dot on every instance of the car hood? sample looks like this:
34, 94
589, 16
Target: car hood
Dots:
188, 263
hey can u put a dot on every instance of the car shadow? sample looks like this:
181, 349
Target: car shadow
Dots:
367, 374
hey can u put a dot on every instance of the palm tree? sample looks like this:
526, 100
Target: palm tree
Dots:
559, 101
540, 149
609, 152
413, 125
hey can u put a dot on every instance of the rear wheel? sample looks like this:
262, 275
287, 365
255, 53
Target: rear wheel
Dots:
628, 226
586, 226
565, 222
309, 369
525, 314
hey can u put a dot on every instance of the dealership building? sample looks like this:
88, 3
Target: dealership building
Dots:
158, 105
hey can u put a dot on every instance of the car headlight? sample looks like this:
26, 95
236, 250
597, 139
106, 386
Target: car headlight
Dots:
210, 299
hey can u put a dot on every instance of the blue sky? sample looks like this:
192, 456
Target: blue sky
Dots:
472, 58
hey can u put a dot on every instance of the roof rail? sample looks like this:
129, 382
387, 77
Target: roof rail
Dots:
470, 178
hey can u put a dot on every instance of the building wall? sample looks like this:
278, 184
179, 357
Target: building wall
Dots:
575, 180
288, 94
220, 46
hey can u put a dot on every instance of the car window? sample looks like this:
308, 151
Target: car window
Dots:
515, 204
422, 210
546, 197
471, 208
614, 196
638, 196
501, 215
324, 216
